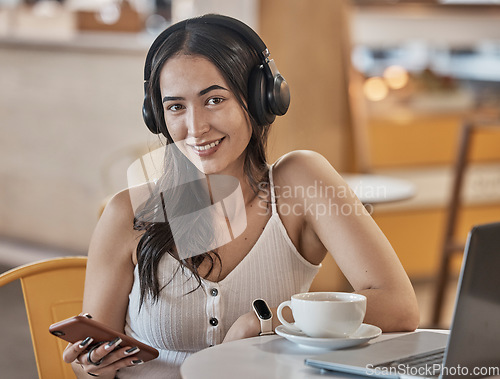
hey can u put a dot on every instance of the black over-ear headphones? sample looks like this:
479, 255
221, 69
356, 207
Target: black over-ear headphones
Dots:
268, 92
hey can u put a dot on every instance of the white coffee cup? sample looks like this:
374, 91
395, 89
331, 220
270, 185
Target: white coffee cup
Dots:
325, 314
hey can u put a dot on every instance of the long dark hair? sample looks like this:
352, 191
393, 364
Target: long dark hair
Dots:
235, 59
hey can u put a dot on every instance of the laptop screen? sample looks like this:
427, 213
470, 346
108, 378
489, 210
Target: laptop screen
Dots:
474, 344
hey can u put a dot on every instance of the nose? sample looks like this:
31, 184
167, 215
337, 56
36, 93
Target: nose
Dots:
197, 123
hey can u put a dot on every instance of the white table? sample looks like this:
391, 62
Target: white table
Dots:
259, 357
376, 189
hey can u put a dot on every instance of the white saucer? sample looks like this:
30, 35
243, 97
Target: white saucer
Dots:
365, 333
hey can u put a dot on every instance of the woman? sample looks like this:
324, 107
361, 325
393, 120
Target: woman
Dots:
184, 288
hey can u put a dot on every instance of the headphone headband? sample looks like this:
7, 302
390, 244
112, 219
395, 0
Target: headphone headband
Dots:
215, 19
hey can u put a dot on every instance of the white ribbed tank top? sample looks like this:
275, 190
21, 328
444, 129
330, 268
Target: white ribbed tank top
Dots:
180, 324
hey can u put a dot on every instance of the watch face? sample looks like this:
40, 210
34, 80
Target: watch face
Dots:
262, 309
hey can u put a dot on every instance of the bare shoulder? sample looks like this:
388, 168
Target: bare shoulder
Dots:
119, 205
118, 212
304, 167
122, 206
115, 237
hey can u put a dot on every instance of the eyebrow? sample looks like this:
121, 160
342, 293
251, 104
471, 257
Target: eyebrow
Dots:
201, 93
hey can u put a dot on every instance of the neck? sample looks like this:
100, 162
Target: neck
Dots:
225, 188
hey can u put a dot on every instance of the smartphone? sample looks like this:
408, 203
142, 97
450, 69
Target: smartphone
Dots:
78, 328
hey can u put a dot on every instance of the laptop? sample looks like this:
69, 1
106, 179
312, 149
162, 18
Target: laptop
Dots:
472, 349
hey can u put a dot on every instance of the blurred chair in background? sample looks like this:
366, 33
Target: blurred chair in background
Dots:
451, 245
52, 291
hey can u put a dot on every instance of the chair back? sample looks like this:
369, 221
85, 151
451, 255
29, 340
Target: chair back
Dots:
52, 291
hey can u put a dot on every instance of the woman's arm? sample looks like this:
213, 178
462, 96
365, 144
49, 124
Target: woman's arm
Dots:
341, 225
108, 282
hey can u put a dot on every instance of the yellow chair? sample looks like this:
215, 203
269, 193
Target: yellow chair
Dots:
52, 291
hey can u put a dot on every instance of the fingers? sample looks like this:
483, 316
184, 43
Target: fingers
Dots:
99, 352
72, 351
110, 360
102, 358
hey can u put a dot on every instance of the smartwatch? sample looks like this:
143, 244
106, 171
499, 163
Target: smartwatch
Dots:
264, 315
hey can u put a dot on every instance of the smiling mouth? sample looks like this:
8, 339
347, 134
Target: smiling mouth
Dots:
207, 146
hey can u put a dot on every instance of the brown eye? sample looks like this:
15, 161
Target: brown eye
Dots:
215, 100
174, 107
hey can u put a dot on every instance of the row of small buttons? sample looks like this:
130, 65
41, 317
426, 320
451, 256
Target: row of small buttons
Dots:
213, 321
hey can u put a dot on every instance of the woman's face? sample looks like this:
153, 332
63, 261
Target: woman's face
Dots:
203, 116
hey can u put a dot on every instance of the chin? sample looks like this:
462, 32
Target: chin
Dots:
208, 169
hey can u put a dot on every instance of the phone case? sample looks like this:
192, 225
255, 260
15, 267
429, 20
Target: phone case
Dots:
78, 328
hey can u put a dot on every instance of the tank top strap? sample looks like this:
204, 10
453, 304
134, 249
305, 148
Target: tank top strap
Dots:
273, 194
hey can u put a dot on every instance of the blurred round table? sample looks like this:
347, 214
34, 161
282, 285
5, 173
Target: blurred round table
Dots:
377, 189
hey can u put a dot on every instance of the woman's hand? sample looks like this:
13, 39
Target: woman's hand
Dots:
101, 359
247, 325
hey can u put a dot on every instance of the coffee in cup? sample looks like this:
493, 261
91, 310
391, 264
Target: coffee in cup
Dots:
325, 314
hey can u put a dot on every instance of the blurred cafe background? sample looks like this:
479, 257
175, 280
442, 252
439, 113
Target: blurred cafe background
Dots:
407, 90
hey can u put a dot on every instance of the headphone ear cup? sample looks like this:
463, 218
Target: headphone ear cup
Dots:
148, 114
279, 95
257, 97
